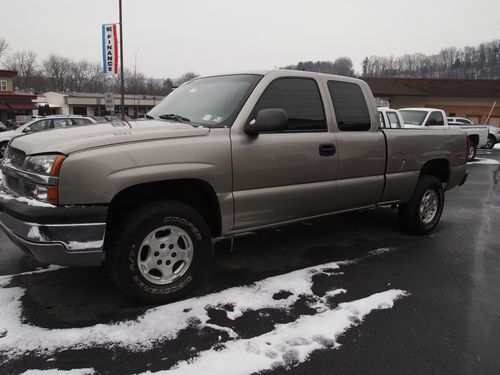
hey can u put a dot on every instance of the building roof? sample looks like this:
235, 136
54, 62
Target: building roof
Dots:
8, 73
483, 88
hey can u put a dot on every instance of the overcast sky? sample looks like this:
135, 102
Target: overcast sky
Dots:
213, 36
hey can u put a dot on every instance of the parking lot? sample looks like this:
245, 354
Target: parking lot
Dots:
350, 294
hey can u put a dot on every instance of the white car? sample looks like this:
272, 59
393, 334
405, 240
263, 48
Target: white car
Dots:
433, 118
494, 132
46, 123
390, 118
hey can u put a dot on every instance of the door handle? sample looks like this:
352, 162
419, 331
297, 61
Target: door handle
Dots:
327, 149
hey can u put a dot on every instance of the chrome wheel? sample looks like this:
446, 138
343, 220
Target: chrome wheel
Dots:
429, 206
165, 254
491, 142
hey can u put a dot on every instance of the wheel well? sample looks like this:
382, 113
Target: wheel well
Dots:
197, 194
474, 139
439, 168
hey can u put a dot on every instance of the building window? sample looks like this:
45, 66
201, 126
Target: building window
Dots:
3, 85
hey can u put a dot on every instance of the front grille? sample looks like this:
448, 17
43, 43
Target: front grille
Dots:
16, 157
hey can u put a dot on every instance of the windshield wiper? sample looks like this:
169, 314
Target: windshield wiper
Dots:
178, 118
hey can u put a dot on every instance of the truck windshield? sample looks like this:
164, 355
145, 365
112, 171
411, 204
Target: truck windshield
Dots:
413, 117
211, 101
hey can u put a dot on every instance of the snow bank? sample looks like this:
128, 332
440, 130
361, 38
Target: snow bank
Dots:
288, 344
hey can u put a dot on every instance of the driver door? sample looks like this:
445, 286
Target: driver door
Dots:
284, 176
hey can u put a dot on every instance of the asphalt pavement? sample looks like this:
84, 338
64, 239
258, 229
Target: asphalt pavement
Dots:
448, 323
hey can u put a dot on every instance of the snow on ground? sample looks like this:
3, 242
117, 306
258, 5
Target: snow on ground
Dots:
497, 146
485, 161
285, 344
54, 371
288, 344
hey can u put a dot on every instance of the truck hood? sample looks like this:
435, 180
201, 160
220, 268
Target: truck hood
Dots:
79, 138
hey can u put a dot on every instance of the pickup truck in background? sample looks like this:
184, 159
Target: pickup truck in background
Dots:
222, 155
390, 118
433, 118
493, 131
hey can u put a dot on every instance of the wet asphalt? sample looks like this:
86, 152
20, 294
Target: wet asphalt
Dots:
449, 324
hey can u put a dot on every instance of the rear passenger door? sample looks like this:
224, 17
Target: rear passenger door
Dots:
360, 147
286, 175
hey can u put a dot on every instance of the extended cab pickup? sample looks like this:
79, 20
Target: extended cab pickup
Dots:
432, 118
222, 155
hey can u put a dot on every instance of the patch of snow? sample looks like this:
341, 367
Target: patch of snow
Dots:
6, 279
34, 234
80, 371
485, 161
165, 322
287, 344
497, 146
75, 245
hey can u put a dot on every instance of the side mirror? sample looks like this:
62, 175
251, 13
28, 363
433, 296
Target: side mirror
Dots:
27, 130
268, 120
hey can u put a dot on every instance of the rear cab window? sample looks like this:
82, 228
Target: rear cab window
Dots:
393, 120
351, 110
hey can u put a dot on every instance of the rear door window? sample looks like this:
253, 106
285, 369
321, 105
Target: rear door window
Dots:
80, 121
61, 122
350, 106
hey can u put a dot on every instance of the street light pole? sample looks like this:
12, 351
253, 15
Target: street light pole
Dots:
122, 109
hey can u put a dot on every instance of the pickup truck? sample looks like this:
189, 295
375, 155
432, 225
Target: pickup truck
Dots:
222, 155
493, 131
433, 118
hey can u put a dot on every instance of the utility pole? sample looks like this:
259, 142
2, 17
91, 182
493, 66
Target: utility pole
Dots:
122, 105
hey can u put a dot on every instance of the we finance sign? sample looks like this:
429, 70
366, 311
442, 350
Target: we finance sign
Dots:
110, 49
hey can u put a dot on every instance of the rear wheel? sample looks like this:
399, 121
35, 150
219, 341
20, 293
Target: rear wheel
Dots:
471, 151
423, 212
159, 252
491, 142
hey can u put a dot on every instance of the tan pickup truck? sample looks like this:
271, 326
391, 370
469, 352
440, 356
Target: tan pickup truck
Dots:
222, 155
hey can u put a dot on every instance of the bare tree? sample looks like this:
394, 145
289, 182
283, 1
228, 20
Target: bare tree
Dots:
58, 70
25, 63
186, 77
4, 46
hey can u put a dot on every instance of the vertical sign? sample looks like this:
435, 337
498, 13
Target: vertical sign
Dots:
109, 101
109, 49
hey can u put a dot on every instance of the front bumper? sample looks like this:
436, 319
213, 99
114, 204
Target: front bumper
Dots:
69, 236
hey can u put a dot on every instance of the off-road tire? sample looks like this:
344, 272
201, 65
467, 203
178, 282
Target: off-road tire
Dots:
126, 236
409, 213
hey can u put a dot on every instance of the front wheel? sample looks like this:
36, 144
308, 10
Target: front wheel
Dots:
159, 252
422, 213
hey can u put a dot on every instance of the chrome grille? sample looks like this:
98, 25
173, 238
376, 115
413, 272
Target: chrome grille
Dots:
16, 157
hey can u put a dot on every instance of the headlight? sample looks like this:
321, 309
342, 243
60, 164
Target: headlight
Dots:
47, 165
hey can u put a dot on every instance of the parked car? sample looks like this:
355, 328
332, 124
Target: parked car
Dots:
390, 118
225, 155
39, 124
433, 118
493, 131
